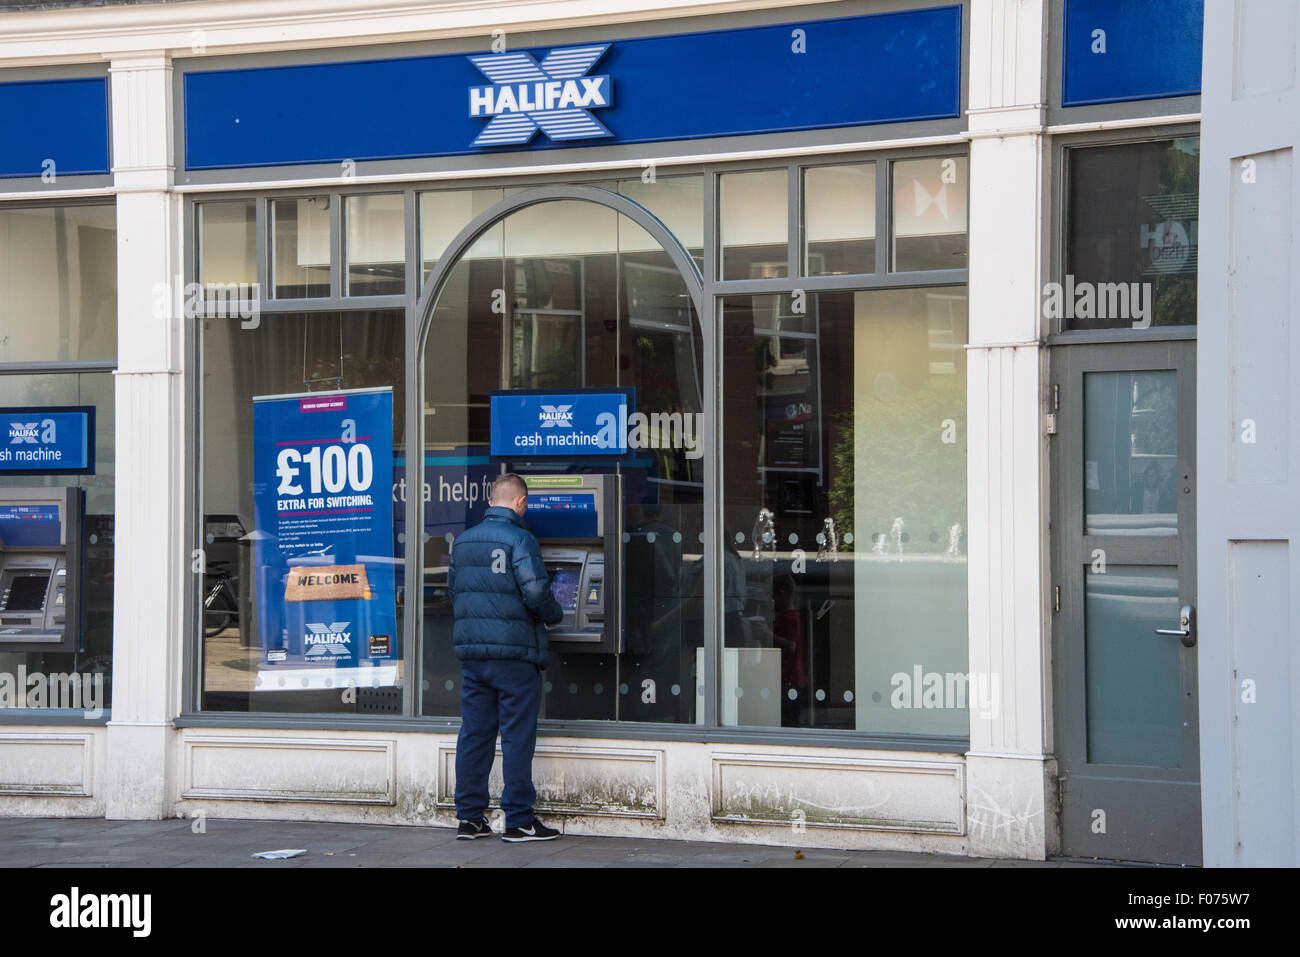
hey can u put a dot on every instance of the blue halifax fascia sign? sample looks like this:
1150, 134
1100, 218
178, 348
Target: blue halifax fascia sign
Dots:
816, 74
1118, 50
576, 424
53, 128
55, 440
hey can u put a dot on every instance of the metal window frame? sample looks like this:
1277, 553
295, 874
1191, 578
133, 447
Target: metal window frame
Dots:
1058, 225
555, 187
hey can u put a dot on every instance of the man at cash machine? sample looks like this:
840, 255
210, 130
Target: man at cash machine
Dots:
502, 603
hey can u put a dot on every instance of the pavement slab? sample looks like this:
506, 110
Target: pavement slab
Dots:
98, 843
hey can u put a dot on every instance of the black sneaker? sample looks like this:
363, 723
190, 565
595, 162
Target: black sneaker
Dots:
535, 831
469, 830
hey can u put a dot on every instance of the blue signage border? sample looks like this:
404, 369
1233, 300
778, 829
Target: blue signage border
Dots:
87, 436
1152, 50
897, 66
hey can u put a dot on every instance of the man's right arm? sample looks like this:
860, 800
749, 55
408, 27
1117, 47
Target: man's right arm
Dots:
534, 586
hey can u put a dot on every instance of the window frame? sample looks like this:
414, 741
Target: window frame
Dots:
1054, 331
715, 290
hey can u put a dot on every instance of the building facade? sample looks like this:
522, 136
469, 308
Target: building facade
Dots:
892, 306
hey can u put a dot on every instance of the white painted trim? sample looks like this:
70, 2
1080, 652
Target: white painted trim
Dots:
329, 749
1064, 128
84, 741
91, 34
1026, 344
43, 196
1006, 754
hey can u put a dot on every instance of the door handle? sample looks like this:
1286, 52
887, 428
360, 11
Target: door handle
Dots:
1186, 630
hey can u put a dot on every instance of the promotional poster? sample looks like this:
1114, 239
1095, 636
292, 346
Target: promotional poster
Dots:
324, 553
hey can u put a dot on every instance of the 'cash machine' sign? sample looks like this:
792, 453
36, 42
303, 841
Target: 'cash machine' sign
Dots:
575, 424
50, 440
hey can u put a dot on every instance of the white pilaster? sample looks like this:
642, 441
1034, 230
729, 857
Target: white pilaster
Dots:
149, 559
1010, 804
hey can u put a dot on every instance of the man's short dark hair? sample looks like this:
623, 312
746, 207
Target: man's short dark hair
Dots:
507, 487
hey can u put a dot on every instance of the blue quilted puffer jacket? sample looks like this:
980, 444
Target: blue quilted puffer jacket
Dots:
501, 597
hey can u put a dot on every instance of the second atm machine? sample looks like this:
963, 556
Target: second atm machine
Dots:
578, 523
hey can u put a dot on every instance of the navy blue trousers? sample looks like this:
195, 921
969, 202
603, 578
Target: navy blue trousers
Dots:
506, 696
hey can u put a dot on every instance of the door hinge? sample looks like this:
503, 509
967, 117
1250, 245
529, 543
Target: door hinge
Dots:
1056, 598
1056, 407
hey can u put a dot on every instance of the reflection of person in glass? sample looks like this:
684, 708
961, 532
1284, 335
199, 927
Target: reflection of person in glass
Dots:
1156, 494
788, 635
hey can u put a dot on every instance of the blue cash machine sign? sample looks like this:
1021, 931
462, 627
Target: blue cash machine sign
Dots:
323, 549
575, 424
54, 440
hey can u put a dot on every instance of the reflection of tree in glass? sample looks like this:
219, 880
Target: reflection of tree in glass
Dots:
1155, 415
1175, 293
908, 471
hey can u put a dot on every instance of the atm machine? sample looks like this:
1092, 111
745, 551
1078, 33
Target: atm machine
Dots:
578, 523
40, 569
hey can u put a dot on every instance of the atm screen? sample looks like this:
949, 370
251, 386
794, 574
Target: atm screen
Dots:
564, 585
26, 593
29, 526
562, 514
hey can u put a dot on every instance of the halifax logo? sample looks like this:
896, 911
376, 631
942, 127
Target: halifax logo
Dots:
555, 96
556, 417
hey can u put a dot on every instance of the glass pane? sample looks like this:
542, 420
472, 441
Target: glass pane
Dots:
376, 245
1130, 453
300, 239
678, 202
247, 666
753, 221
1131, 236
839, 205
929, 214
591, 301
445, 213
58, 283
93, 664
227, 242
844, 513
1133, 674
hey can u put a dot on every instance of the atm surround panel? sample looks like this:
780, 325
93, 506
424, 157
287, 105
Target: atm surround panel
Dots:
578, 523
40, 569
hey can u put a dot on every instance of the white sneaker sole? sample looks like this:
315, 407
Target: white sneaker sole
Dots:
526, 838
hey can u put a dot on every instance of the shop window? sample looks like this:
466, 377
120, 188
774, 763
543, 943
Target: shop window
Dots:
1130, 236
677, 202
375, 244
445, 213
227, 243
839, 212
302, 595
844, 509
300, 247
81, 679
58, 283
929, 214
591, 301
754, 216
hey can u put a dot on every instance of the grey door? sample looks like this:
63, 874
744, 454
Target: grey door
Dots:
1124, 569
